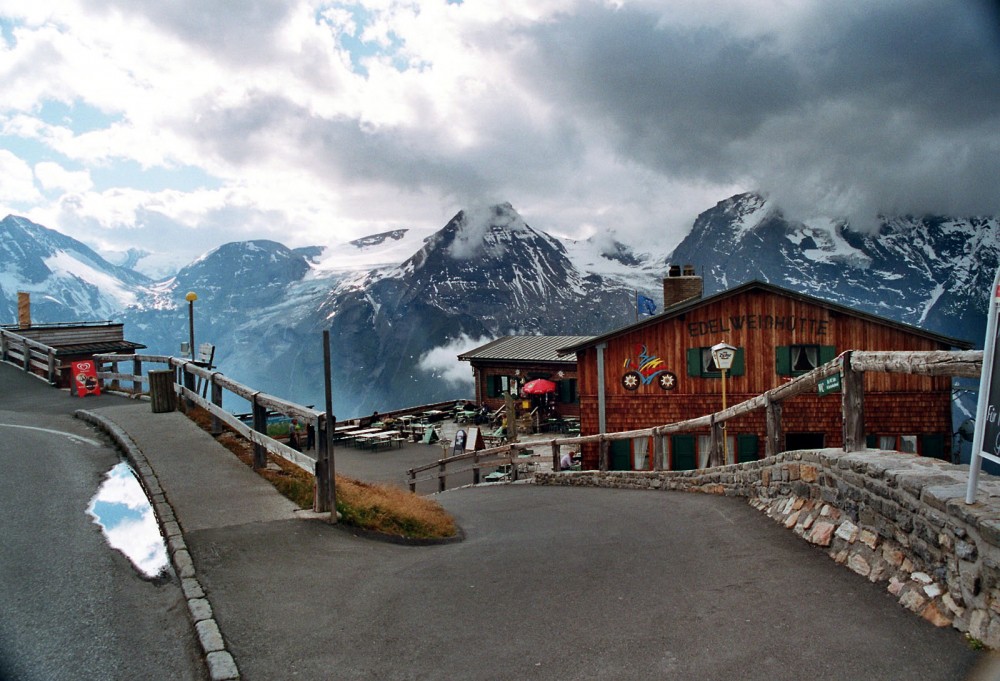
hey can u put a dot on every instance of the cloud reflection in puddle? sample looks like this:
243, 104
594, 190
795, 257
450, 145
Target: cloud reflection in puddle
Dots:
124, 513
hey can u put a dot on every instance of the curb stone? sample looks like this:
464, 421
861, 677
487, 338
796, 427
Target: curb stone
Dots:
220, 662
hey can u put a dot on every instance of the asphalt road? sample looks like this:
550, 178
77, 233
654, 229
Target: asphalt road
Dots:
562, 583
70, 606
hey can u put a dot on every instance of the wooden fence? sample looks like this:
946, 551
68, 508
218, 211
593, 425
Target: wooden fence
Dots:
187, 376
32, 356
851, 365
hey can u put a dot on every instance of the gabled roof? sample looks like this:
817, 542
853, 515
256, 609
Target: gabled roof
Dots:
687, 306
525, 349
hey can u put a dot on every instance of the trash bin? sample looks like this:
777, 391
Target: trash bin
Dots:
161, 391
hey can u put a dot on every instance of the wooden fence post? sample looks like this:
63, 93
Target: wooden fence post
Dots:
657, 452
413, 480
715, 457
772, 410
603, 461
442, 477
259, 425
52, 367
853, 406
217, 401
475, 468
555, 456
137, 372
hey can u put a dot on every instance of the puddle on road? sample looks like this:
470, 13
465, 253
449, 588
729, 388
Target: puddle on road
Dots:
126, 517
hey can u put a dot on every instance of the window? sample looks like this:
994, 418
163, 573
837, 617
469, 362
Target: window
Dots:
701, 363
640, 454
795, 360
495, 385
705, 449
898, 443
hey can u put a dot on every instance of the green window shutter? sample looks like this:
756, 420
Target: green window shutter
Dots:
933, 445
783, 360
746, 448
739, 364
683, 449
493, 386
694, 361
827, 353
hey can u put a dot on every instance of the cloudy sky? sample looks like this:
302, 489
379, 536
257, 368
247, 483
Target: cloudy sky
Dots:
177, 126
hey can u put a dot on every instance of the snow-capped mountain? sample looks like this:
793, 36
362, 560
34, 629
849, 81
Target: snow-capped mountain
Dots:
68, 281
928, 271
400, 307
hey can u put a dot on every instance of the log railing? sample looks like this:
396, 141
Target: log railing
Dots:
30, 355
514, 455
851, 365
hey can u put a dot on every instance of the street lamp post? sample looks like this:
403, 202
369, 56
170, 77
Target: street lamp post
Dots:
191, 297
724, 354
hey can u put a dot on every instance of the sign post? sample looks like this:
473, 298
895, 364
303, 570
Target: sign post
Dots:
986, 440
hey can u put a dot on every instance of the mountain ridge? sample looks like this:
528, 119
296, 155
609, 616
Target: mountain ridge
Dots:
488, 273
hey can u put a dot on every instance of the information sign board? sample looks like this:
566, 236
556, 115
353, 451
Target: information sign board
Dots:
830, 384
85, 378
986, 440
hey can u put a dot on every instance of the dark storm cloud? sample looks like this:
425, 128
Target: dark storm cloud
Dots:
854, 107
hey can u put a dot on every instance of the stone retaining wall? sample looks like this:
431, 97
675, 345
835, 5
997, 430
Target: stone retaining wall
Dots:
890, 517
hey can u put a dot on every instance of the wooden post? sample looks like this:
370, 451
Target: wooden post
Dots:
442, 477
715, 456
513, 463
772, 410
137, 372
3, 346
605, 445
188, 383
555, 456
657, 452
217, 401
329, 484
475, 468
853, 406
162, 397
259, 425
413, 480
52, 367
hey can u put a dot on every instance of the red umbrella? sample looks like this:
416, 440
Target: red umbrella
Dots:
539, 386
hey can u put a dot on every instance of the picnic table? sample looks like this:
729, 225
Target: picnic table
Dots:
356, 434
381, 437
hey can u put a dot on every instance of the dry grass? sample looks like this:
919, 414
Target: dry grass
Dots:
378, 508
392, 510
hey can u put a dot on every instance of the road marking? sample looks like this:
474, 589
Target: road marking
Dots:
71, 436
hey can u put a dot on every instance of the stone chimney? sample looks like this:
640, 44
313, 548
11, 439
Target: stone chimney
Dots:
680, 285
24, 310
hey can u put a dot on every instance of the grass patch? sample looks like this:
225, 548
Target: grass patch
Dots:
375, 507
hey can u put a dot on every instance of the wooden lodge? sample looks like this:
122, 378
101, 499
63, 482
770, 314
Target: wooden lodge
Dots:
660, 370
511, 361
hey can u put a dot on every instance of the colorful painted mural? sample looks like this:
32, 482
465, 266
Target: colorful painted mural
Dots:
646, 369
